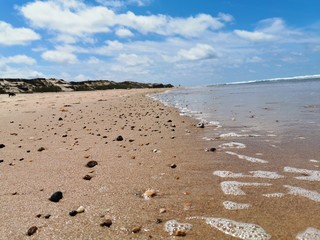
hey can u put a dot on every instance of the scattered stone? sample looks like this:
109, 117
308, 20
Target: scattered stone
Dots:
91, 164
65, 135
162, 210
158, 221
73, 213
39, 215
80, 209
41, 149
180, 233
2, 145
60, 119
1, 160
149, 194
55, 197
106, 223
136, 229
32, 230
47, 216
210, 149
87, 177
173, 165
200, 125
119, 138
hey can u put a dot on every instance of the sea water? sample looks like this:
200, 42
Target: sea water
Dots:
287, 107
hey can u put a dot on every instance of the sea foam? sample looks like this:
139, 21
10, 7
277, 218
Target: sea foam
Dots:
235, 206
297, 191
250, 159
240, 230
232, 145
234, 187
312, 175
309, 234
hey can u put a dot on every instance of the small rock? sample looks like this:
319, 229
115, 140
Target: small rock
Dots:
149, 194
173, 165
106, 223
32, 230
41, 149
2, 145
80, 209
47, 216
60, 119
162, 210
91, 164
210, 149
1, 160
158, 221
55, 197
136, 229
200, 125
180, 233
39, 215
73, 213
87, 177
119, 138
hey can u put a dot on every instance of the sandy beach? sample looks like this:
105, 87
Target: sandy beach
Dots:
158, 171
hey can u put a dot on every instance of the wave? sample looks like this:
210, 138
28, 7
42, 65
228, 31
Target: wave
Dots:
296, 78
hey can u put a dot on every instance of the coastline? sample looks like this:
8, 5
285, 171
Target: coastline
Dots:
77, 127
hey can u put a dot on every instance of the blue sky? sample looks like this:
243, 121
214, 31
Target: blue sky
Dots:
187, 42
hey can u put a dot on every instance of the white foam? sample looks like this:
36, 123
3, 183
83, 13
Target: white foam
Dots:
250, 159
312, 175
172, 227
228, 174
254, 174
273, 195
266, 174
232, 145
240, 230
231, 134
234, 187
297, 191
313, 160
309, 234
235, 206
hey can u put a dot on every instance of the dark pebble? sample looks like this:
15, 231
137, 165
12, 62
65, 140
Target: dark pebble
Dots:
32, 230
87, 177
41, 149
47, 216
60, 119
2, 145
136, 229
119, 138
158, 221
173, 165
55, 197
73, 213
38, 215
212, 149
1, 160
106, 223
91, 164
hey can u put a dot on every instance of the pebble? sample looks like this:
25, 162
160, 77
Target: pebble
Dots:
1, 160
80, 209
91, 164
173, 165
162, 210
158, 221
106, 223
32, 230
55, 197
87, 177
200, 125
149, 194
73, 213
210, 149
41, 149
47, 216
136, 229
2, 145
119, 138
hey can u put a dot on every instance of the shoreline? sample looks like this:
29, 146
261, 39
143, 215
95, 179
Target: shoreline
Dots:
162, 155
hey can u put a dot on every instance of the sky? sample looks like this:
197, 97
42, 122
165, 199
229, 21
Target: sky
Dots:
182, 42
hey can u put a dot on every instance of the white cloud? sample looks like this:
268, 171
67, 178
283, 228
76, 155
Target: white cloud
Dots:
199, 52
73, 20
124, 33
109, 48
16, 36
134, 60
59, 57
93, 60
254, 36
18, 59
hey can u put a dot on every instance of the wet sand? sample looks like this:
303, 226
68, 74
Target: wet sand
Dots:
161, 151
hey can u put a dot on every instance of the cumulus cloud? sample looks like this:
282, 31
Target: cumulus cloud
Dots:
73, 20
124, 33
109, 48
199, 52
16, 36
254, 36
18, 59
59, 57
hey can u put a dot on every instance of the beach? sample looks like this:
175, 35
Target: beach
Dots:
161, 169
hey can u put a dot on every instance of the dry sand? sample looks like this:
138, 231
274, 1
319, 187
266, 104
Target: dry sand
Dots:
74, 128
